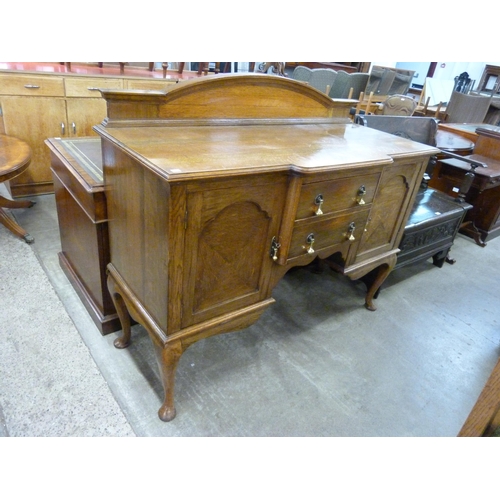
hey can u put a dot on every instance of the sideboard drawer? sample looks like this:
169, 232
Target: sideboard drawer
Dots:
322, 233
89, 87
31, 85
331, 196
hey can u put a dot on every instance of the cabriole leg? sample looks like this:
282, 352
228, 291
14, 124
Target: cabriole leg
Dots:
168, 357
123, 315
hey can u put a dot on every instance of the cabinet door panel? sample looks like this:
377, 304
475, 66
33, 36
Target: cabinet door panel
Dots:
34, 119
83, 114
391, 207
227, 250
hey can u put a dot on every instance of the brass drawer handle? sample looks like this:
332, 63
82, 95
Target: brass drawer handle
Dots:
92, 88
275, 246
29, 86
310, 242
350, 232
361, 193
318, 201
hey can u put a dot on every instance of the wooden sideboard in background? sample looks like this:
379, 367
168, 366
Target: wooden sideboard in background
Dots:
36, 105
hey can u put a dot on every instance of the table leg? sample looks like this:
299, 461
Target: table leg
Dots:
9, 223
6, 203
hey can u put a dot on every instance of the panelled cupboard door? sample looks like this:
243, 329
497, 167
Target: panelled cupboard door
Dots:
83, 114
230, 227
34, 119
396, 190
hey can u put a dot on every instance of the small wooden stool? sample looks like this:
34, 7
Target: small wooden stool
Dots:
15, 157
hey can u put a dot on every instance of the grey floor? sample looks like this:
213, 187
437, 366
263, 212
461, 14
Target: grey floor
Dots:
317, 363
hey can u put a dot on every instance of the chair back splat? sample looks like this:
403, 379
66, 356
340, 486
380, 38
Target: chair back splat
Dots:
467, 108
399, 105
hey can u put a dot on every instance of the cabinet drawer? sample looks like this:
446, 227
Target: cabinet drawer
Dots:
89, 87
334, 195
153, 84
31, 85
327, 232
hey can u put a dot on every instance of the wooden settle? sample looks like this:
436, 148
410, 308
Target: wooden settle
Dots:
216, 188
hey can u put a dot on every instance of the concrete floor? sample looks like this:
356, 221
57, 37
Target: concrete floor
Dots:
317, 363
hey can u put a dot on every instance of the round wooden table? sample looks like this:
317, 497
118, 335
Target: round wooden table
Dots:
15, 157
454, 143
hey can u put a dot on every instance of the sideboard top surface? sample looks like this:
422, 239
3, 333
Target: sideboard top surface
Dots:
182, 152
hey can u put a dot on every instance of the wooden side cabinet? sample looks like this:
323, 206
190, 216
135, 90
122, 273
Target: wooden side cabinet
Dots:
76, 166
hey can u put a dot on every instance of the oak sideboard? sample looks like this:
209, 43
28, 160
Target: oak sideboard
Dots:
219, 186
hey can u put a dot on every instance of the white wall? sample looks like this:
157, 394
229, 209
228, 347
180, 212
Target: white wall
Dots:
449, 70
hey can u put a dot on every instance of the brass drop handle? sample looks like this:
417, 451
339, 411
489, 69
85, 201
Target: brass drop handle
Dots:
274, 248
73, 126
310, 242
361, 193
350, 232
318, 201
63, 128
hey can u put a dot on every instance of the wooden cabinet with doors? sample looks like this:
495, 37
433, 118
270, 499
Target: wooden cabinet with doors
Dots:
34, 107
219, 187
